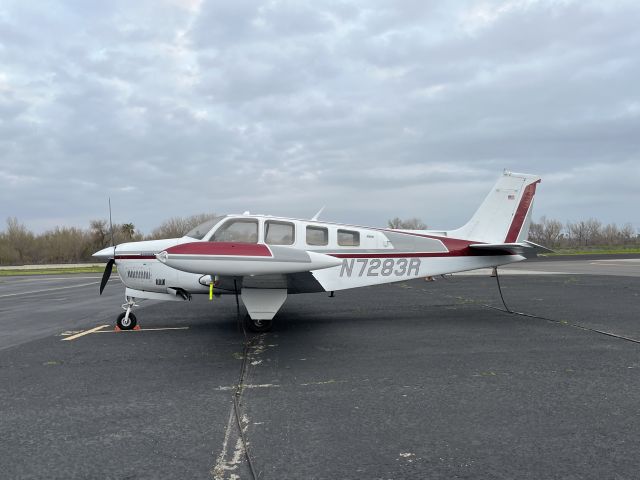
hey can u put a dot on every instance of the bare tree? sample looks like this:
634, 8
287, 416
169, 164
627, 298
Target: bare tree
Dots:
628, 233
551, 232
611, 234
546, 232
578, 232
536, 232
99, 234
408, 224
19, 239
593, 231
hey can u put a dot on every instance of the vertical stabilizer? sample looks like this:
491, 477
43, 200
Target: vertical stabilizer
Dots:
505, 214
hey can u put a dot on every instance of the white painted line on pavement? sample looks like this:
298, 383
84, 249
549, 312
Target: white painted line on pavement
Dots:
503, 271
620, 260
144, 329
601, 264
48, 290
86, 332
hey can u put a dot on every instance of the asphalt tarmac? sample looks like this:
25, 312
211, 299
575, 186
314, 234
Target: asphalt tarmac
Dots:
411, 380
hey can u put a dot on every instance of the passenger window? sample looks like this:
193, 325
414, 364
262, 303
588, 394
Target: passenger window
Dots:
317, 236
279, 233
240, 230
348, 238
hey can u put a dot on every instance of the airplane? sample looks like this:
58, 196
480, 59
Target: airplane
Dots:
262, 259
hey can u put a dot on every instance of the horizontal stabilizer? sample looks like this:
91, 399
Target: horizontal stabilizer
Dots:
526, 248
539, 248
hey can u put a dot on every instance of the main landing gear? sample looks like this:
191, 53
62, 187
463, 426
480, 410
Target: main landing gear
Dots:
127, 320
257, 326
262, 305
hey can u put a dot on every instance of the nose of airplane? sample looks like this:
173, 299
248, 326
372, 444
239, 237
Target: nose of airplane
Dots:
104, 254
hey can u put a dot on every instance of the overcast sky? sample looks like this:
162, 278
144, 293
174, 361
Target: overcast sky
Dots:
372, 108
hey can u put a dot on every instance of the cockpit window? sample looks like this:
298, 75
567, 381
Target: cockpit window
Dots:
201, 230
238, 230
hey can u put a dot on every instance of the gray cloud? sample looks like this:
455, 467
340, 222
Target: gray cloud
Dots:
375, 109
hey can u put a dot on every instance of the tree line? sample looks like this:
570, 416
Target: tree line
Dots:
20, 246
555, 234
585, 233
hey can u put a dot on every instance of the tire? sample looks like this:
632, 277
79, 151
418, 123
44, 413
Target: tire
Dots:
130, 325
257, 326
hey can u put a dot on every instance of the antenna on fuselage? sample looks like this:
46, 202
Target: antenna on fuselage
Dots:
315, 217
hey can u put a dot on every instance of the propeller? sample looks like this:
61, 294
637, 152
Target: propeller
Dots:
106, 274
109, 268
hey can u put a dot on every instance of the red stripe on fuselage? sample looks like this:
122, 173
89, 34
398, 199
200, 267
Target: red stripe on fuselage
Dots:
457, 248
521, 213
459, 253
221, 248
479, 253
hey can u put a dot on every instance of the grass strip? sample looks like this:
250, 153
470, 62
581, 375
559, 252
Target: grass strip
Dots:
594, 251
52, 271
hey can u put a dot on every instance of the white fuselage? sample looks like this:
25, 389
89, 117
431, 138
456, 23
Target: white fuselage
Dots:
363, 256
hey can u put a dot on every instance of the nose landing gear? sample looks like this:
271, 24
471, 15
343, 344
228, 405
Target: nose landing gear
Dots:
127, 320
262, 305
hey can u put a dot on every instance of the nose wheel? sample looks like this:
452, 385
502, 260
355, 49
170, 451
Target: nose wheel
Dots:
126, 322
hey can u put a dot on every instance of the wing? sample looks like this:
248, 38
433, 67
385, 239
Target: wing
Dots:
243, 259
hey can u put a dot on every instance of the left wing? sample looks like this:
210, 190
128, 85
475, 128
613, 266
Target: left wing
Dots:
243, 259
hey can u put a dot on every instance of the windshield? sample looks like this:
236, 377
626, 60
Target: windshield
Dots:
201, 230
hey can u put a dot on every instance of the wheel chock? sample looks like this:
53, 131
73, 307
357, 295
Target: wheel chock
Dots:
118, 329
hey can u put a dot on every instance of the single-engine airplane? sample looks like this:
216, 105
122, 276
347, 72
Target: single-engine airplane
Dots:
263, 258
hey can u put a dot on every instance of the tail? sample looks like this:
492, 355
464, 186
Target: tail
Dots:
505, 215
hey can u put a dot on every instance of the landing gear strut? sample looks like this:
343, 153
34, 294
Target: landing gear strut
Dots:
262, 305
127, 320
257, 326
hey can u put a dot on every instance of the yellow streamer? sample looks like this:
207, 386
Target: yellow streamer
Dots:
211, 291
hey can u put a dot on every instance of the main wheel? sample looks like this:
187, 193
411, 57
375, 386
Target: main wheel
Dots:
257, 326
128, 324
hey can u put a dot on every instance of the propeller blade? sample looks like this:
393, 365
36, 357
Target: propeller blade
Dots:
106, 274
